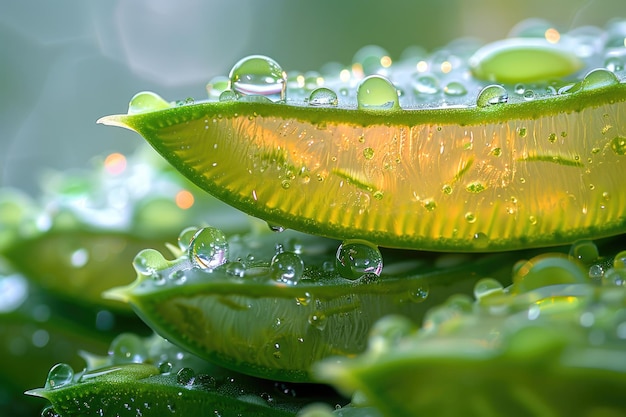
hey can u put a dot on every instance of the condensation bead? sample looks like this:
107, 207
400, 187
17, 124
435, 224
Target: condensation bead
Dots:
377, 93
599, 78
147, 101
486, 287
491, 95
259, 75
356, 257
127, 348
149, 261
548, 269
584, 251
185, 237
287, 267
323, 97
208, 248
59, 376
619, 262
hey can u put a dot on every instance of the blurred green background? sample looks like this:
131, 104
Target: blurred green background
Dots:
65, 63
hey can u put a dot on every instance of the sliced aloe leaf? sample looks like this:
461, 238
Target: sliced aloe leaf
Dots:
89, 226
270, 305
152, 377
414, 154
551, 344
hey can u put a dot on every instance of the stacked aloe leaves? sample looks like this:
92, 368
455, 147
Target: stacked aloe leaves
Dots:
229, 317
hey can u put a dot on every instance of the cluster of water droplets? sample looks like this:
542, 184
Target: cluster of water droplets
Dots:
208, 250
418, 79
583, 289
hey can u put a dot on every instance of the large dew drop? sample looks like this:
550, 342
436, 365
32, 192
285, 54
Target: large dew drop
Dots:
127, 348
356, 257
492, 94
548, 269
287, 267
147, 101
208, 248
599, 78
59, 376
149, 261
323, 97
259, 75
377, 93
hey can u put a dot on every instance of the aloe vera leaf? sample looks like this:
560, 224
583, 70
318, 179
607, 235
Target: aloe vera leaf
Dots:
258, 323
152, 377
91, 225
431, 169
550, 344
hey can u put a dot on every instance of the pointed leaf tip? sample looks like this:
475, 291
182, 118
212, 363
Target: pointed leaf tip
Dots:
118, 294
118, 120
36, 392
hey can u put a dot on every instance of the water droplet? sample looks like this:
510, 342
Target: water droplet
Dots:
529, 95
275, 227
614, 277
429, 204
259, 75
377, 93
147, 101
378, 195
475, 187
148, 262
426, 84
318, 320
368, 153
185, 376
165, 367
620, 260
487, 286
618, 145
323, 97
598, 78
548, 269
304, 299
208, 248
178, 276
127, 348
217, 86
596, 272
491, 95
419, 294
228, 95
455, 89
185, 237
552, 137
480, 240
470, 217
60, 375
356, 257
48, 411
287, 267
236, 269
584, 251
